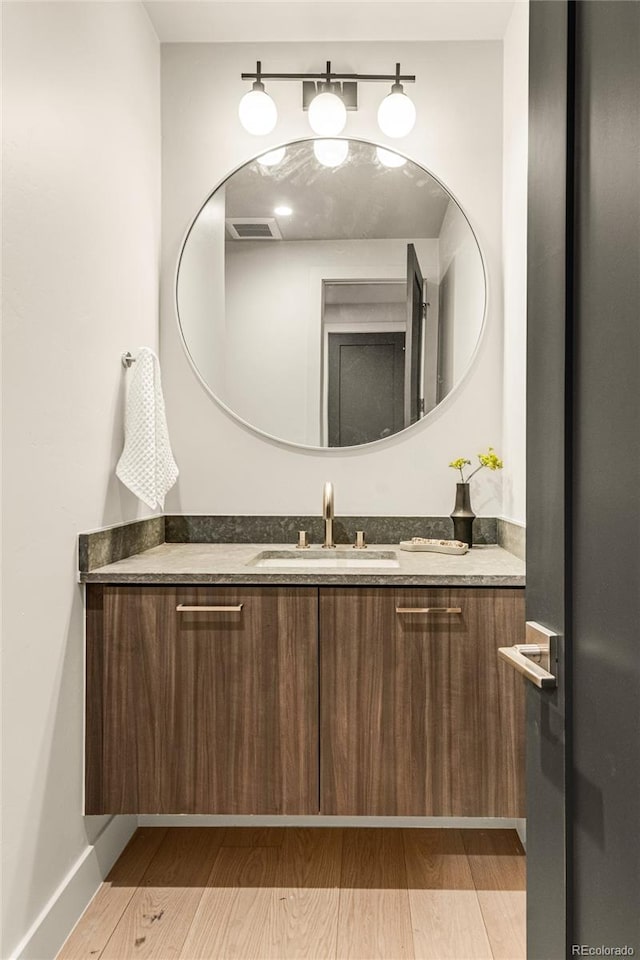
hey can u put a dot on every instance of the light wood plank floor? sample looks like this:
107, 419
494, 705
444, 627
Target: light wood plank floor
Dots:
296, 894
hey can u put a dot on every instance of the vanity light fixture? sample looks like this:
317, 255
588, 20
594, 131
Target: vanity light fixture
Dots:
397, 113
257, 111
327, 112
327, 97
283, 211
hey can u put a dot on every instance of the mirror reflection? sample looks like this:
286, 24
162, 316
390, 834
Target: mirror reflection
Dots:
331, 293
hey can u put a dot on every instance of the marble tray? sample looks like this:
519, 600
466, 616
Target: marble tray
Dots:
455, 547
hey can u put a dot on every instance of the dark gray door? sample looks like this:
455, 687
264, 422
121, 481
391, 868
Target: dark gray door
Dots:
583, 476
548, 479
365, 387
605, 530
413, 353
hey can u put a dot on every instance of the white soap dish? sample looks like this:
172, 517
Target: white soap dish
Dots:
417, 544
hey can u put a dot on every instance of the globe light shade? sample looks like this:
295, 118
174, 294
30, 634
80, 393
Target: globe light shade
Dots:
258, 113
331, 153
390, 159
327, 114
396, 114
273, 157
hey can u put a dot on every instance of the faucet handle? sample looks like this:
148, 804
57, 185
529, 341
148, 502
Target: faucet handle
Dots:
302, 540
360, 544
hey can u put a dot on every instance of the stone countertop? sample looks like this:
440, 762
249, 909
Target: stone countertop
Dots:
174, 563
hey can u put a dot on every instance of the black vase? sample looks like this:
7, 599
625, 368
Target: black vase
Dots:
463, 516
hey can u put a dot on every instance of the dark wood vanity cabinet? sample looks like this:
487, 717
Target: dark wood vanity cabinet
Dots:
202, 710
303, 700
418, 715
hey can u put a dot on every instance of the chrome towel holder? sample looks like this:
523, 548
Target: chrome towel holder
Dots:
127, 359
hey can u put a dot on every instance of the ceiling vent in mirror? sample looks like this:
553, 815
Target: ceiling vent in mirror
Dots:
253, 228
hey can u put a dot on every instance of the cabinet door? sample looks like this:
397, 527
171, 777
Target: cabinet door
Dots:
418, 716
202, 711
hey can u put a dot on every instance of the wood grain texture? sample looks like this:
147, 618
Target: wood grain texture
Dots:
273, 900
321, 893
417, 715
375, 919
497, 863
303, 919
445, 912
89, 937
205, 712
232, 918
253, 837
159, 915
94, 708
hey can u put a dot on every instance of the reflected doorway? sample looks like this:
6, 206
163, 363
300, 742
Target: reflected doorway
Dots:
379, 356
365, 383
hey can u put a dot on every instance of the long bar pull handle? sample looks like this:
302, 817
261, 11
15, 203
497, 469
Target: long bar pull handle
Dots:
428, 609
184, 608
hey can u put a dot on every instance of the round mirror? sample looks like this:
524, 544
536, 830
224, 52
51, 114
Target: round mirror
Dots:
331, 293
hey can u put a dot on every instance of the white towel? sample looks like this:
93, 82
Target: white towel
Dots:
146, 466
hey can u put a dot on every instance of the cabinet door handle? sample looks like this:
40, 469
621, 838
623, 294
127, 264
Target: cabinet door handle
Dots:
183, 608
428, 609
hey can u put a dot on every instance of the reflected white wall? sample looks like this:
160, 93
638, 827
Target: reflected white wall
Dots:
274, 322
201, 292
462, 295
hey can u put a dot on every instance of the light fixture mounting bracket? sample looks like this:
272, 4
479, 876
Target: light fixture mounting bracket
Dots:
347, 91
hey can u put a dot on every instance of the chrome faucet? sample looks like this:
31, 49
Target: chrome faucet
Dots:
328, 514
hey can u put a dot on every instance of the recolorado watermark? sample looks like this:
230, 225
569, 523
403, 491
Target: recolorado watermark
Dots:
586, 950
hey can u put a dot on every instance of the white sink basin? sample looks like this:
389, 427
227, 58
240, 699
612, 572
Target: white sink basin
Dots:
340, 559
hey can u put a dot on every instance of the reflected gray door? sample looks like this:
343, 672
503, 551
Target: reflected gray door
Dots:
365, 387
413, 353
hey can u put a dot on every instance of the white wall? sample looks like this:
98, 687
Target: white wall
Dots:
514, 226
81, 241
201, 294
225, 467
274, 323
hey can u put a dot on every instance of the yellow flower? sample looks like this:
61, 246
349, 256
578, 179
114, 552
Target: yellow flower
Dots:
489, 459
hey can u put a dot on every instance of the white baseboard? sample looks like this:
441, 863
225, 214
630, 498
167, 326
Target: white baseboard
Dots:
317, 820
65, 907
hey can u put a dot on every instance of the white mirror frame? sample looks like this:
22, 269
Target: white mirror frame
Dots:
304, 447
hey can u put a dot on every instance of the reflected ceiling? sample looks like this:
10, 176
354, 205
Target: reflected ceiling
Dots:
361, 200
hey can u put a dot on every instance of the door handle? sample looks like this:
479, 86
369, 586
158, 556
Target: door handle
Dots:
536, 658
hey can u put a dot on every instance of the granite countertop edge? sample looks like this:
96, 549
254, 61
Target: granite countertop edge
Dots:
315, 579
230, 564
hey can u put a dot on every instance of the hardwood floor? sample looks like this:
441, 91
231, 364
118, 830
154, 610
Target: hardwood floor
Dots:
301, 893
